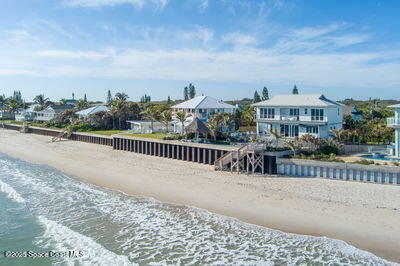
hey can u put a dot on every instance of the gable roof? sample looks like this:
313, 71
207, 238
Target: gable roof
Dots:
204, 102
93, 110
58, 108
311, 100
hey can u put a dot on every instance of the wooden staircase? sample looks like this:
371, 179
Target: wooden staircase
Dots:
61, 135
247, 158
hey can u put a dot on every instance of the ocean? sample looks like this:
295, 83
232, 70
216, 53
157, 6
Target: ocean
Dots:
44, 212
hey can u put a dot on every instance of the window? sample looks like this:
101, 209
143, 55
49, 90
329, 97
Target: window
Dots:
312, 130
289, 130
267, 113
293, 112
317, 114
305, 111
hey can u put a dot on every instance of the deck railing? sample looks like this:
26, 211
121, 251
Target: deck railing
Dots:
393, 121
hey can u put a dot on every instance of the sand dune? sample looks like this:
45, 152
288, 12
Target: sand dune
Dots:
364, 215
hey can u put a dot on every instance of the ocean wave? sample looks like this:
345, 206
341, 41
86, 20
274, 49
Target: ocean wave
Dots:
11, 193
64, 239
103, 222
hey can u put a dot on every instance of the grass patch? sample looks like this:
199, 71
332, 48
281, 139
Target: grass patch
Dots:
149, 136
104, 132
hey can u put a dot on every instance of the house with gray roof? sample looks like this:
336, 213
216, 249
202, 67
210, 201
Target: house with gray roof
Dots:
295, 115
201, 107
92, 110
51, 111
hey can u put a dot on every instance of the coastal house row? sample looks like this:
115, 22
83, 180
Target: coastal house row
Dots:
201, 107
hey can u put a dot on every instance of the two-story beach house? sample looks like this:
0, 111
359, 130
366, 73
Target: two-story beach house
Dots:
394, 122
201, 107
51, 111
298, 114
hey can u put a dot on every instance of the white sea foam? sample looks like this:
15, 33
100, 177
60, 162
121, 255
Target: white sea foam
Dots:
10, 192
65, 239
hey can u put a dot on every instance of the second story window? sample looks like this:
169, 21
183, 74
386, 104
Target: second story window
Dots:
294, 112
317, 114
305, 111
267, 113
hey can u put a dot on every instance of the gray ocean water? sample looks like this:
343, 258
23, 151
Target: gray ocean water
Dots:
43, 209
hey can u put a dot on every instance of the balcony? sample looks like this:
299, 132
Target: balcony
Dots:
290, 118
393, 122
294, 119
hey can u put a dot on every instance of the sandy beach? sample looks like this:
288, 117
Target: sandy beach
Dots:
364, 215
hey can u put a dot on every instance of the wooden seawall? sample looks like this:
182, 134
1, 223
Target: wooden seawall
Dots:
83, 137
185, 151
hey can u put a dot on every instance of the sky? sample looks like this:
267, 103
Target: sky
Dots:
226, 48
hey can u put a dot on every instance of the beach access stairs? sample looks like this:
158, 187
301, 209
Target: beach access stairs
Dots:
247, 159
61, 135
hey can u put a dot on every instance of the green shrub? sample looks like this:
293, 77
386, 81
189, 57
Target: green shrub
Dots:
329, 149
173, 137
364, 162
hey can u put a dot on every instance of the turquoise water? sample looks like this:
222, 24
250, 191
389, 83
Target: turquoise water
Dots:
383, 159
44, 210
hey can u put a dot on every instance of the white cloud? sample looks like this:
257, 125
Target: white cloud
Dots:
203, 4
308, 56
239, 39
63, 54
101, 3
347, 70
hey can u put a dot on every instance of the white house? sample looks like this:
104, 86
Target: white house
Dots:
92, 110
394, 122
4, 114
28, 114
144, 126
201, 107
51, 111
298, 114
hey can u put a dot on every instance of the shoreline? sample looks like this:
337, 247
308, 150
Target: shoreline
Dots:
366, 216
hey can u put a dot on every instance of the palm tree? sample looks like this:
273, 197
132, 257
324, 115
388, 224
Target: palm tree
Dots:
121, 96
182, 116
227, 120
63, 101
337, 134
213, 124
293, 145
166, 118
151, 113
116, 110
277, 136
13, 105
81, 104
41, 101
2, 100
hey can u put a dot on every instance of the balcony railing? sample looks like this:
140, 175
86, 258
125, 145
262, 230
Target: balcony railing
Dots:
392, 121
296, 118
290, 118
